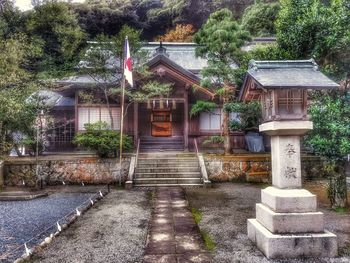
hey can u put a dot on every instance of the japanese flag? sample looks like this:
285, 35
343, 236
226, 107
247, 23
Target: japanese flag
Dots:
127, 63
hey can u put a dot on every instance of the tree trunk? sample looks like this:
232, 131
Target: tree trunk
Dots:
226, 131
337, 188
108, 107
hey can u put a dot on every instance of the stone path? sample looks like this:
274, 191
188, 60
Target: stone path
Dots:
173, 236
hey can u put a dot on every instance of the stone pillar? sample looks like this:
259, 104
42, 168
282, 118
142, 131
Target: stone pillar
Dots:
287, 224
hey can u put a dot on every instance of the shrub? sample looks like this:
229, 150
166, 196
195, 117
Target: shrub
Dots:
99, 138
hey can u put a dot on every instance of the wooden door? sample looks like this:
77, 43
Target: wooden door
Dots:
161, 123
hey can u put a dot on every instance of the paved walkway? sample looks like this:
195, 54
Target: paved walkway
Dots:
173, 236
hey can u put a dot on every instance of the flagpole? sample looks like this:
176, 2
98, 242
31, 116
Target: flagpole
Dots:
121, 132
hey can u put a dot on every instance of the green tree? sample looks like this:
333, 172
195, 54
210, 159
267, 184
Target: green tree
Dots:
329, 139
219, 41
57, 26
17, 113
259, 19
319, 29
97, 64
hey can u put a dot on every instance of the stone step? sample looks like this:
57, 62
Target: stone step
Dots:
169, 154
167, 181
170, 147
169, 175
167, 160
151, 138
167, 165
167, 169
168, 185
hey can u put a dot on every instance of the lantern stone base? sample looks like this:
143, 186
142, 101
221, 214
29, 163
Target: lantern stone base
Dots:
292, 245
287, 225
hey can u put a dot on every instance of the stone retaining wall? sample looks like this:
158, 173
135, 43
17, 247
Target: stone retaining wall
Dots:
70, 169
252, 167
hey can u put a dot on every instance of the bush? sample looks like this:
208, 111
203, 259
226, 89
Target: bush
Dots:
99, 138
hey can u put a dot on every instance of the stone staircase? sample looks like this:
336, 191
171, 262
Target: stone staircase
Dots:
161, 144
167, 169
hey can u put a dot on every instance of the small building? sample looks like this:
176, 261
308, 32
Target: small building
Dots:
158, 120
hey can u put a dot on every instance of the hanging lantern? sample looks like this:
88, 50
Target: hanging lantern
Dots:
167, 103
148, 104
154, 104
174, 104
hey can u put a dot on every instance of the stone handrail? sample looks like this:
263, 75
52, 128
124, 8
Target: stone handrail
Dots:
201, 162
129, 182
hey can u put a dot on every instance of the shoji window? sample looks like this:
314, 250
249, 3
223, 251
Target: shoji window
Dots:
210, 121
96, 114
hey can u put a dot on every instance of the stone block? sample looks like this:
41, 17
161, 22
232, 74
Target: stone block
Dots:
286, 127
286, 164
278, 223
289, 200
292, 246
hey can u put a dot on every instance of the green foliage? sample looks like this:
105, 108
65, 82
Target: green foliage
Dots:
216, 139
249, 115
319, 29
330, 114
201, 106
57, 27
330, 139
208, 241
197, 215
219, 41
259, 19
103, 141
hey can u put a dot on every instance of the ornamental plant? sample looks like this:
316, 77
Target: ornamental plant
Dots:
101, 139
329, 139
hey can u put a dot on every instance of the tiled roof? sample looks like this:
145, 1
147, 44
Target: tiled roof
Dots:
182, 54
289, 74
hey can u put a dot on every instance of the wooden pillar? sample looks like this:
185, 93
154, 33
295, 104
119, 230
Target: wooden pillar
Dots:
186, 120
136, 123
76, 117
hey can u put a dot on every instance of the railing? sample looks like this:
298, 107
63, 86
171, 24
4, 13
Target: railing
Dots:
204, 173
137, 151
132, 167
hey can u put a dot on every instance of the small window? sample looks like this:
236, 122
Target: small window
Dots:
210, 121
96, 114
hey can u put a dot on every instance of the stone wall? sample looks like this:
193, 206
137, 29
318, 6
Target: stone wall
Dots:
252, 167
70, 169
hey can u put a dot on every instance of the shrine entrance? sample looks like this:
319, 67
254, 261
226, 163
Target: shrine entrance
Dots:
161, 123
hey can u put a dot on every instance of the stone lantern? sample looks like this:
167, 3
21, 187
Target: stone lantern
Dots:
287, 224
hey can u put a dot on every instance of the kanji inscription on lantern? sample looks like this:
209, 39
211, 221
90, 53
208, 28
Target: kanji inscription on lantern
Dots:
290, 172
290, 149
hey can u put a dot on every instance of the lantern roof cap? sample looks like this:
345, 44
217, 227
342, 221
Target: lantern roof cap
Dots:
283, 74
300, 74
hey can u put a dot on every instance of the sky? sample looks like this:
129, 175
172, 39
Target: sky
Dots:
26, 4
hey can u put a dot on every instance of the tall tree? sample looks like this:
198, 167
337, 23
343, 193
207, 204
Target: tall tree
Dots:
259, 19
330, 139
219, 41
56, 25
319, 29
104, 63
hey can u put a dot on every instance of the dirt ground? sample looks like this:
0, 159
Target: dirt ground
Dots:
113, 230
226, 208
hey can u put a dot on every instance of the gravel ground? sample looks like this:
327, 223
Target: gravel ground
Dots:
113, 230
226, 208
21, 220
